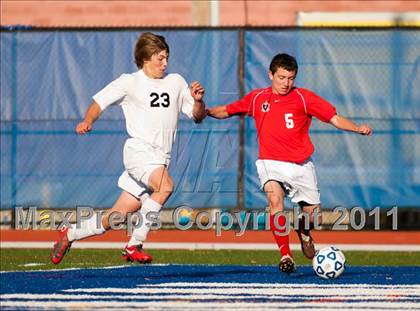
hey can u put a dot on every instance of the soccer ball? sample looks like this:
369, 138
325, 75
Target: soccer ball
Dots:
329, 262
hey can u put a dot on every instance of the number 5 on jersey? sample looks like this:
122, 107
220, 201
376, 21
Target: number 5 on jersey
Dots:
154, 102
288, 117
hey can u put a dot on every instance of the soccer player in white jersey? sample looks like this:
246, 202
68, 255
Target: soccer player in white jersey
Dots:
151, 101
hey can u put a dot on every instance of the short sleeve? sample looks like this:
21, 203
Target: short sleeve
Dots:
242, 106
112, 93
317, 106
187, 103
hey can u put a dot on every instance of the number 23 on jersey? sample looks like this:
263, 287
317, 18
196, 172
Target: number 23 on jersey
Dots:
158, 100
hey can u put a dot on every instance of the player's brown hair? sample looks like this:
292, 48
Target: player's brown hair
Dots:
284, 61
147, 45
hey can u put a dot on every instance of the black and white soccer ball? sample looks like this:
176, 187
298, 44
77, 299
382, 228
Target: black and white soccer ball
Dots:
329, 262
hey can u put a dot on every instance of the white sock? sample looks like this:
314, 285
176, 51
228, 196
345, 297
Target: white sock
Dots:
88, 227
139, 235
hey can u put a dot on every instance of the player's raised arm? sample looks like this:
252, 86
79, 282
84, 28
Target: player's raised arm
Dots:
218, 112
345, 124
199, 108
92, 114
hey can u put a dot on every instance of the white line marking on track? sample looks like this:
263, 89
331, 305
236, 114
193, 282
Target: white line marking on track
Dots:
164, 296
32, 264
288, 291
280, 285
188, 305
213, 246
228, 296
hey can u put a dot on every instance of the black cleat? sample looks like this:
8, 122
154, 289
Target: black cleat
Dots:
287, 264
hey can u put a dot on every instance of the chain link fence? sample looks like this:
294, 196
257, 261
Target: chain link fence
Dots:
48, 78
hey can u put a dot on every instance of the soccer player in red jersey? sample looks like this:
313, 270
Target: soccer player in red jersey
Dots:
283, 115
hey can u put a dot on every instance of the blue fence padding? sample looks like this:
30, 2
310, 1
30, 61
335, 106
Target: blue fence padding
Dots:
204, 164
6, 73
371, 77
56, 73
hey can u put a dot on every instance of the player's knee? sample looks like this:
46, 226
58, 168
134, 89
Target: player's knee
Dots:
167, 186
162, 184
275, 201
164, 191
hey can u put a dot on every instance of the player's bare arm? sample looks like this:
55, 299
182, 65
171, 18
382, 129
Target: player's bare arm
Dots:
92, 114
218, 112
345, 124
199, 109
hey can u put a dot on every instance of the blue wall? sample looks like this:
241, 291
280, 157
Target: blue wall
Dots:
48, 78
371, 77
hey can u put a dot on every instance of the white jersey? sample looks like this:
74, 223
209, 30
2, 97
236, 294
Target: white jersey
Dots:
151, 106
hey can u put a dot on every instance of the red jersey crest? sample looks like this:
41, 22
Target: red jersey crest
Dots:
265, 106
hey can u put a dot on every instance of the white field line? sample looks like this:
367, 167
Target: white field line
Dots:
71, 269
163, 296
164, 293
188, 305
278, 285
213, 246
225, 296
33, 264
255, 291
92, 268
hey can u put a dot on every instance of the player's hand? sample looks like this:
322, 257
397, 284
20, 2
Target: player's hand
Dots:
364, 130
197, 91
83, 127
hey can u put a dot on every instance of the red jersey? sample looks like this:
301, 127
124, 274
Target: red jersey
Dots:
283, 121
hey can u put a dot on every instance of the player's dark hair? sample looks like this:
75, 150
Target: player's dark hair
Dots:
147, 45
284, 61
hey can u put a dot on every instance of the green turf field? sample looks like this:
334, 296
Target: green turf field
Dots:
38, 259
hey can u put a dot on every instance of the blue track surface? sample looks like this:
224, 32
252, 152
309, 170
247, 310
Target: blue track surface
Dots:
127, 277
164, 286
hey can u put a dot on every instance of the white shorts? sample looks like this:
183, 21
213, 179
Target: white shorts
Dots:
299, 180
140, 160
130, 185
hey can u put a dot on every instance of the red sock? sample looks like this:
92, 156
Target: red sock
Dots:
279, 235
